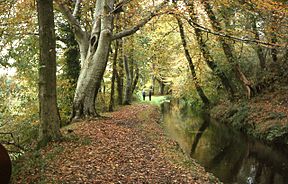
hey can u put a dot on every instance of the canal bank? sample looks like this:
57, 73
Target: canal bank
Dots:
264, 117
229, 154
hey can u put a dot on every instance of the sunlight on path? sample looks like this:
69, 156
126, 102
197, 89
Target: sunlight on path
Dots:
156, 100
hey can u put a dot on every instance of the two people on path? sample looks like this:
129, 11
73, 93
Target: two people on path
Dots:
149, 94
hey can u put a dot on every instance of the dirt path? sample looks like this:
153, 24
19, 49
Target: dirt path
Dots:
127, 147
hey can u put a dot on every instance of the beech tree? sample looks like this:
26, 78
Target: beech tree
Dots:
120, 75
114, 73
49, 116
94, 49
131, 69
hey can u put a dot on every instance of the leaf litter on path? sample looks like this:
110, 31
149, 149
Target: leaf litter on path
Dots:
128, 147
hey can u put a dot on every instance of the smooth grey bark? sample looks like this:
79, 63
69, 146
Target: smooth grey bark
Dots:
94, 66
128, 87
136, 78
114, 74
120, 81
94, 50
49, 129
77, 7
199, 90
120, 75
131, 81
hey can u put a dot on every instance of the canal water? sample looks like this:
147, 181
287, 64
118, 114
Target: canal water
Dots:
228, 154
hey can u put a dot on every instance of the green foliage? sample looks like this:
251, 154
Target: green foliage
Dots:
233, 114
19, 111
156, 49
70, 69
277, 133
238, 119
35, 161
70, 61
65, 92
18, 93
276, 115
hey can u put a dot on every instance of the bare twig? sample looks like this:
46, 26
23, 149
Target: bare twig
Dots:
17, 145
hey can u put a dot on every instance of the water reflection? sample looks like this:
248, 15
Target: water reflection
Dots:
227, 153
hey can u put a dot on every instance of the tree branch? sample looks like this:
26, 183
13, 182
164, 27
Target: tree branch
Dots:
247, 40
77, 7
11, 143
79, 33
218, 32
135, 28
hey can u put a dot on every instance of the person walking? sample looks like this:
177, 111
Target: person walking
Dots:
150, 94
143, 94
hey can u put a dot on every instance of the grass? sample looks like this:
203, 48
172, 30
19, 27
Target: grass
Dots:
155, 100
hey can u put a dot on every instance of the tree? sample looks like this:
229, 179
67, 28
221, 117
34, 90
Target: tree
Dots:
94, 49
128, 88
199, 90
206, 54
120, 74
49, 117
228, 50
131, 69
114, 73
71, 55
259, 49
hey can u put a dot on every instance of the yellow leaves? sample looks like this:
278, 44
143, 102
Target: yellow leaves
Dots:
265, 6
18, 17
269, 5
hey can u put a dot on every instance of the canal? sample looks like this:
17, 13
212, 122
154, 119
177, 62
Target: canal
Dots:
227, 153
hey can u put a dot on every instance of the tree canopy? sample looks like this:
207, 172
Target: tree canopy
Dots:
190, 49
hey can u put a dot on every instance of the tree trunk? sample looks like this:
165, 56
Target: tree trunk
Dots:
153, 82
94, 51
162, 86
135, 81
95, 63
259, 49
208, 58
119, 78
228, 50
49, 129
128, 90
114, 73
103, 88
200, 92
274, 51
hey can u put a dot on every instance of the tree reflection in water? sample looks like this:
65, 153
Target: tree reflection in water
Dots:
230, 155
